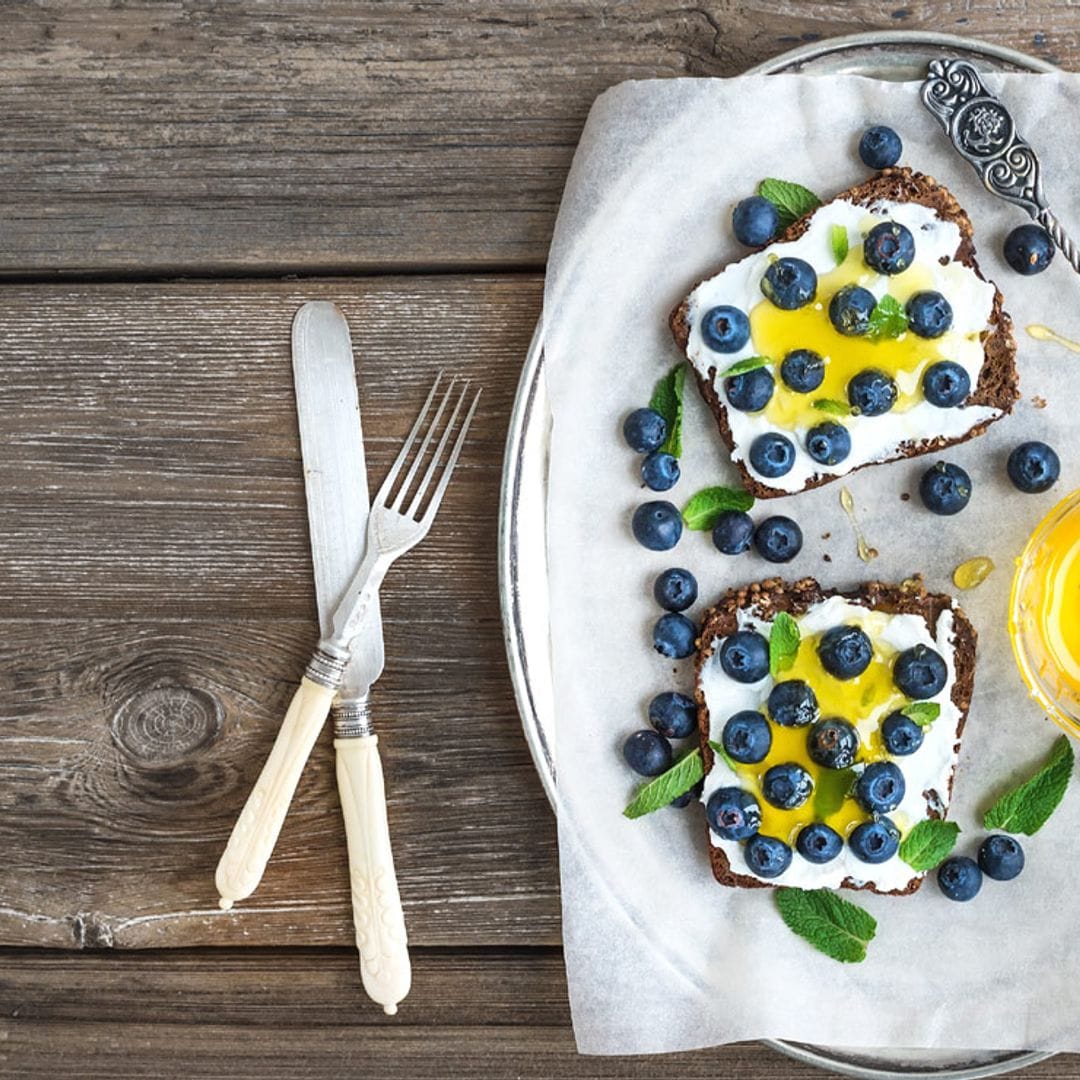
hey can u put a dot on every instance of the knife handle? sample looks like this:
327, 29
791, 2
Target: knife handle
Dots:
256, 830
377, 915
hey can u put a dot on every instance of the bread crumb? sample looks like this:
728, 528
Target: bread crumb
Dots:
1039, 402
827, 558
905, 496
825, 536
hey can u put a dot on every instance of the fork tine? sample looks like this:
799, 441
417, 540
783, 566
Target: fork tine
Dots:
383, 495
419, 457
437, 456
440, 491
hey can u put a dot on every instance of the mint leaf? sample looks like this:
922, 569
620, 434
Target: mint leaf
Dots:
1027, 808
703, 508
836, 927
678, 780
791, 200
832, 788
667, 400
749, 363
832, 406
924, 713
839, 241
888, 319
783, 643
718, 748
928, 843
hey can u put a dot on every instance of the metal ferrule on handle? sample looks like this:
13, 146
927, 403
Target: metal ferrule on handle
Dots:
352, 718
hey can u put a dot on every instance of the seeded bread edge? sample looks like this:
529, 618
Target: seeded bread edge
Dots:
773, 595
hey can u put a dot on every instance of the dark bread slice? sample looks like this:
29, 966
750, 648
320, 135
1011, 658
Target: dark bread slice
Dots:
998, 385
773, 595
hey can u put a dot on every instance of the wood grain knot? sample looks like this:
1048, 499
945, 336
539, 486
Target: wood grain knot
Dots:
166, 724
89, 930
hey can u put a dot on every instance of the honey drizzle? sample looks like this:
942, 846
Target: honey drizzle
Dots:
1044, 333
866, 552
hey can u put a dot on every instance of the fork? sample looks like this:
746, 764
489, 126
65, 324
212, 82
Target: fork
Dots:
391, 531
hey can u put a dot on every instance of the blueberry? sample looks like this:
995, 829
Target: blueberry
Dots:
871, 392
929, 314
660, 471
880, 788
792, 703
750, 391
673, 715
725, 329
766, 856
920, 672
959, 878
1029, 249
1001, 857
681, 802
1034, 467
817, 843
747, 737
790, 283
945, 488
657, 525
787, 786
733, 532
673, 636
901, 735
803, 370
874, 841
828, 443
850, 310
755, 221
675, 589
733, 814
880, 147
772, 454
833, 743
845, 651
946, 384
645, 430
889, 248
744, 656
647, 753
778, 539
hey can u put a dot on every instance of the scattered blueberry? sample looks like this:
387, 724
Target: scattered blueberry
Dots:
850, 310
767, 856
645, 430
744, 656
901, 735
1029, 249
747, 737
880, 788
1001, 857
675, 589
874, 841
959, 878
647, 753
755, 221
845, 651
657, 525
929, 314
733, 814
818, 843
833, 743
946, 384
787, 786
889, 248
871, 392
733, 532
945, 488
778, 539
750, 391
681, 802
792, 703
920, 672
828, 443
772, 454
880, 147
1034, 467
673, 715
802, 370
725, 329
790, 283
660, 471
673, 636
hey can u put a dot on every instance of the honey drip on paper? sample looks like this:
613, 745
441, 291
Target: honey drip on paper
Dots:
1044, 333
866, 552
973, 572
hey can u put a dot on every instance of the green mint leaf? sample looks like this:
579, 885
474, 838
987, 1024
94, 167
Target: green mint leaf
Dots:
718, 749
831, 789
704, 507
667, 400
832, 406
791, 200
749, 363
783, 643
928, 843
678, 780
888, 320
1027, 808
836, 927
924, 713
839, 241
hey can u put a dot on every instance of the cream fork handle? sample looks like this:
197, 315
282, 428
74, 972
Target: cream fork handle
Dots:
377, 915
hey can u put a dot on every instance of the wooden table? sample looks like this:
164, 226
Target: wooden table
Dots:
175, 179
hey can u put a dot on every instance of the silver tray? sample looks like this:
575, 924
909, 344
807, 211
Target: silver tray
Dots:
523, 589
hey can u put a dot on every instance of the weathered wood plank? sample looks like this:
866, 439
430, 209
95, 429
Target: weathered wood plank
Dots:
330, 136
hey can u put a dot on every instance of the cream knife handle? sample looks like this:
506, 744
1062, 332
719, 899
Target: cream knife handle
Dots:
256, 830
377, 914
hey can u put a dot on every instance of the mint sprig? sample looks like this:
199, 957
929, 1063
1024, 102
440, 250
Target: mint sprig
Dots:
831, 406
1026, 808
678, 780
924, 713
831, 789
748, 363
667, 400
718, 749
784, 640
928, 843
706, 505
791, 200
836, 927
888, 320
838, 241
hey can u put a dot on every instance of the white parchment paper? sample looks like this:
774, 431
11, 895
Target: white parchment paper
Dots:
659, 956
